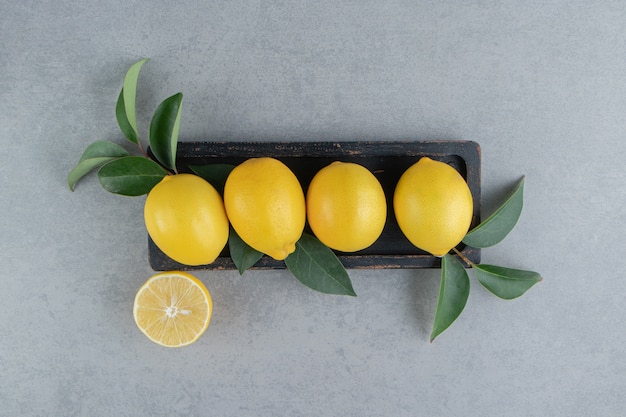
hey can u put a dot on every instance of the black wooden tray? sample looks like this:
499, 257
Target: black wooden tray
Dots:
387, 160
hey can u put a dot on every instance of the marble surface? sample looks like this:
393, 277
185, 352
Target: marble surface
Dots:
541, 85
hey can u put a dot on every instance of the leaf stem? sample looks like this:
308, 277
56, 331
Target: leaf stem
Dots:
141, 148
464, 258
145, 154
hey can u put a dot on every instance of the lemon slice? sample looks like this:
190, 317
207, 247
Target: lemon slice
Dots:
173, 308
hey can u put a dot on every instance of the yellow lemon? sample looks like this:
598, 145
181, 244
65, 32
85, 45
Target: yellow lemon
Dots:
433, 206
346, 206
173, 309
185, 218
265, 205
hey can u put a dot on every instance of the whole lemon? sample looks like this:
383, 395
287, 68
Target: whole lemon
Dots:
346, 206
265, 204
433, 206
185, 218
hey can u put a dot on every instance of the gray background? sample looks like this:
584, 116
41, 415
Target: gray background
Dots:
541, 85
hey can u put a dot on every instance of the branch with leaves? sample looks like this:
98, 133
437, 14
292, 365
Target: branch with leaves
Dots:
506, 283
130, 175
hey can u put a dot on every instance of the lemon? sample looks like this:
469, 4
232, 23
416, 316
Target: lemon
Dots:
265, 204
346, 206
433, 206
185, 217
173, 309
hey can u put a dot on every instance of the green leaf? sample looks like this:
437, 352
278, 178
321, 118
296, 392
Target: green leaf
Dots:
504, 282
215, 174
96, 154
164, 130
129, 93
317, 267
131, 175
500, 223
453, 293
241, 253
122, 120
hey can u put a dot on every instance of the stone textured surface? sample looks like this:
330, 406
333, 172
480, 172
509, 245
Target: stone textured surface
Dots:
541, 85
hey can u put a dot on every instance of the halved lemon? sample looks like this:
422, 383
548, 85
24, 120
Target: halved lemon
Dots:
173, 309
